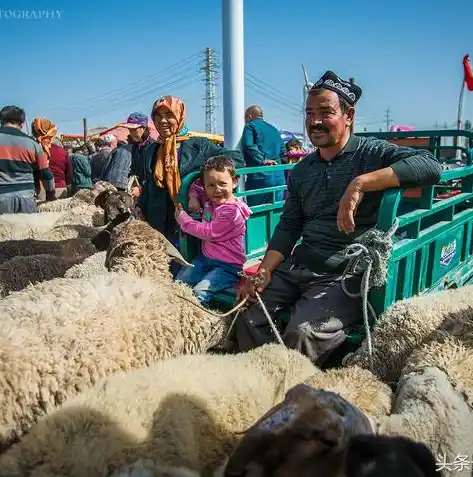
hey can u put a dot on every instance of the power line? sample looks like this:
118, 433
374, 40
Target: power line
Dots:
210, 105
181, 67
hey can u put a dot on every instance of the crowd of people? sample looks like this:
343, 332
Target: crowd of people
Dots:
342, 179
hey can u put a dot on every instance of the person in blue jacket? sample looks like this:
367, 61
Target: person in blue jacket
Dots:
262, 146
126, 159
166, 162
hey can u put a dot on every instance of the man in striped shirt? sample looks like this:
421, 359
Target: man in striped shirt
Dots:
20, 157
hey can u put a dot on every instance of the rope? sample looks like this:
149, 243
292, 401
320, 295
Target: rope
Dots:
371, 252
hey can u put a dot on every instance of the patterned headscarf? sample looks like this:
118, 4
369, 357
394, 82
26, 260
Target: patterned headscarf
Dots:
166, 172
44, 131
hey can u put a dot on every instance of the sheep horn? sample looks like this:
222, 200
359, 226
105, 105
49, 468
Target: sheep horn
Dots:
174, 254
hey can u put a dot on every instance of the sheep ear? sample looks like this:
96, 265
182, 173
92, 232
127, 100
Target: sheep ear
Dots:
101, 199
174, 254
254, 444
259, 438
102, 240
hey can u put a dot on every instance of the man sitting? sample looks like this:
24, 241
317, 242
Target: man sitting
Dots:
344, 177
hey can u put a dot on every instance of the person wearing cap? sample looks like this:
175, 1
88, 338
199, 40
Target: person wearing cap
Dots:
334, 197
126, 160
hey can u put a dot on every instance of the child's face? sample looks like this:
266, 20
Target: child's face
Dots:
219, 186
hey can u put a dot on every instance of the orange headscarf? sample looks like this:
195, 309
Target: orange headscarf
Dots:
45, 131
166, 172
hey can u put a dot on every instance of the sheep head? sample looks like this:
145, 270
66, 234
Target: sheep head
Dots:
114, 203
305, 435
88, 196
136, 247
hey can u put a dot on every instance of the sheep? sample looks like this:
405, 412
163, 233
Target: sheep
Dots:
21, 226
91, 266
135, 247
14, 248
84, 217
449, 349
70, 332
183, 412
19, 272
58, 205
406, 325
429, 410
305, 435
82, 196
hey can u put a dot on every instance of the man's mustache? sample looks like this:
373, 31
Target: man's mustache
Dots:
317, 129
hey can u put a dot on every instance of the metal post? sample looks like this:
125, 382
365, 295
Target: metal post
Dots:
233, 72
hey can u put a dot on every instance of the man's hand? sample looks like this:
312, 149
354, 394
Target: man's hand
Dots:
348, 206
179, 210
269, 162
194, 206
262, 277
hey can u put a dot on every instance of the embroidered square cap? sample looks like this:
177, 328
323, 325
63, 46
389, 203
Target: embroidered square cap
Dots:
348, 91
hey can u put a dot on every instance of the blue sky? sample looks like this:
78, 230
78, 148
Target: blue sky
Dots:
102, 59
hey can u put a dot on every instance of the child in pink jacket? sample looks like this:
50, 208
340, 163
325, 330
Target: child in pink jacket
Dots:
222, 230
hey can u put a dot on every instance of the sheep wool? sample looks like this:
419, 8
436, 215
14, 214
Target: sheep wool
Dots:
26, 247
83, 214
55, 205
21, 226
183, 412
64, 232
91, 266
137, 248
20, 272
449, 349
406, 325
148, 468
69, 333
358, 386
429, 410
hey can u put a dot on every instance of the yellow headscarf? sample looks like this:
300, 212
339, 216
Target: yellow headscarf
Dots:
166, 172
45, 131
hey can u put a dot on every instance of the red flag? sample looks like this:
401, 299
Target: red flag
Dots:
468, 73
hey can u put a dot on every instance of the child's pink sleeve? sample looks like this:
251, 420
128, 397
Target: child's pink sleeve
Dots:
197, 190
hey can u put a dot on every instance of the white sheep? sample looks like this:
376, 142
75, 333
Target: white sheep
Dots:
186, 412
449, 349
91, 266
183, 412
72, 332
21, 226
406, 325
429, 410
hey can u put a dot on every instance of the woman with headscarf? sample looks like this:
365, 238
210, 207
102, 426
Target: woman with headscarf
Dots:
166, 162
61, 168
